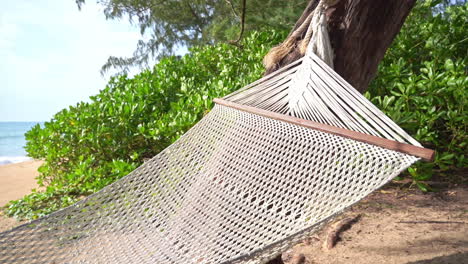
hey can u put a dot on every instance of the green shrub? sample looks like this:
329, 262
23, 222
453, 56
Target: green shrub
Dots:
422, 84
90, 145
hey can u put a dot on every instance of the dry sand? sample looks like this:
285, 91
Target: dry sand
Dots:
16, 180
397, 227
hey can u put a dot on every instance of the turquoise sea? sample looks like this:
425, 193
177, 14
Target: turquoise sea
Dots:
12, 141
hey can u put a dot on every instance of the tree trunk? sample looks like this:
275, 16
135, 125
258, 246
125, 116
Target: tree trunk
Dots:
360, 33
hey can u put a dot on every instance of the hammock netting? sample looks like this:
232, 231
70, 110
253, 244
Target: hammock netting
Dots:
239, 187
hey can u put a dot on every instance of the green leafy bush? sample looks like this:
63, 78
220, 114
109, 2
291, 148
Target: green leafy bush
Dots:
90, 145
422, 84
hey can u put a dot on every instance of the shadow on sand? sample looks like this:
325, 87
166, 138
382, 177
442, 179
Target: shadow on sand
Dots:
456, 258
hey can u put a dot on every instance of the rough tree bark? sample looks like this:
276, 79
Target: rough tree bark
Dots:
360, 33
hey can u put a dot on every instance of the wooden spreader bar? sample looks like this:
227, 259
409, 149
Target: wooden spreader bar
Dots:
423, 153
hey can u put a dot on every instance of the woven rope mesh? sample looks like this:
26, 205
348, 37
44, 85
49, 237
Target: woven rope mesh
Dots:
311, 90
237, 187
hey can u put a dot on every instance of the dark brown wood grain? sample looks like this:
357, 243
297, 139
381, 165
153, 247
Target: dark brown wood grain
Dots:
424, 153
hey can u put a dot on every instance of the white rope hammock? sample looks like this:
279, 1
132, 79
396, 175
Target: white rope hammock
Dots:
270, 164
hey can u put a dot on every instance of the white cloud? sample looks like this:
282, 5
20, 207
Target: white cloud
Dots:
51, 54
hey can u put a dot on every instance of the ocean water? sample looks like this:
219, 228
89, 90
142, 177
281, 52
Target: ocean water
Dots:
12, 141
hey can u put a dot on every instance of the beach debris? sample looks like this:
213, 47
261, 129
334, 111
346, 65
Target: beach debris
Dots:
336, 229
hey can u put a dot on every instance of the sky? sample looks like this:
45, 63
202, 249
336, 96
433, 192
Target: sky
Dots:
51, 54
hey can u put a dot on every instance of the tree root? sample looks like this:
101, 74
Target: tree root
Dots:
334, 232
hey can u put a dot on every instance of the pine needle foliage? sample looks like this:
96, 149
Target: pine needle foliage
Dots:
167, 25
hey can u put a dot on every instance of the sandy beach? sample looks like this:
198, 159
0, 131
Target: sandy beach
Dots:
16, 180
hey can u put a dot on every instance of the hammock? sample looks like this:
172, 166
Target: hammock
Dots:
269, 165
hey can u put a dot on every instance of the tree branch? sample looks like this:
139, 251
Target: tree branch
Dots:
233, 9
244, 4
